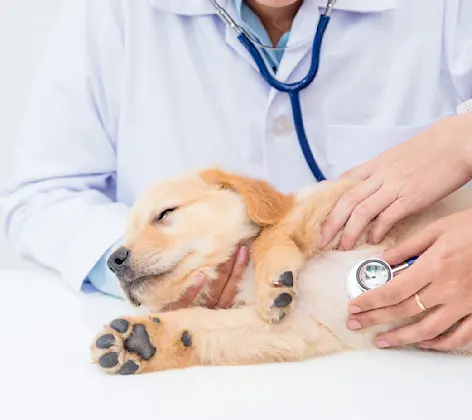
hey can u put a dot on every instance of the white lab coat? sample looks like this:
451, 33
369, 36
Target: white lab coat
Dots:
132, 91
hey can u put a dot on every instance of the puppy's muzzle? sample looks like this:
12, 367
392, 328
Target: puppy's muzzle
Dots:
120, 262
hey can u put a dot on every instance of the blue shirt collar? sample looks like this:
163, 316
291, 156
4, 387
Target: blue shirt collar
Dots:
252, 23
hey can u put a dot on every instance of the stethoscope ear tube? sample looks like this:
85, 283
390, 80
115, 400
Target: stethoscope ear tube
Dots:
293, 89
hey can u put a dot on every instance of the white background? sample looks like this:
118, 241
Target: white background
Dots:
399, 385
24, 30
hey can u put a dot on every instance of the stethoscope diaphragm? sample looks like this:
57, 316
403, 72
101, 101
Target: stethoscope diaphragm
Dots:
367, 274
371, 273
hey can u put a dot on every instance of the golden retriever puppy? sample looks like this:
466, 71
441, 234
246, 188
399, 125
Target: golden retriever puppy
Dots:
292, 303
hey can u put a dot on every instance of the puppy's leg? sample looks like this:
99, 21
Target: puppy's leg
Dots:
277, 261
200, 336
281, 251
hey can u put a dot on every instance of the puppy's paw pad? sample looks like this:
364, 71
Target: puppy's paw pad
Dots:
120, 325
139, 345
108, 360
129, 368
105, 341
275, 304
275, 297
284, 280
283, 300
186, 339
123, 347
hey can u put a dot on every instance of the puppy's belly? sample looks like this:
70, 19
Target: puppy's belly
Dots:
322, 295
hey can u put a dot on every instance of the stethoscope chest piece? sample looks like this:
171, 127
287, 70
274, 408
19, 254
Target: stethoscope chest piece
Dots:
371, 273
366, 275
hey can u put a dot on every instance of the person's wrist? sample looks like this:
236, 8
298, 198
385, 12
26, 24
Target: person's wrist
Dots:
456, 131
462, 128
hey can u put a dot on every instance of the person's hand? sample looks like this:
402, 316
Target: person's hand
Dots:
224, 289
442, 280
403, 181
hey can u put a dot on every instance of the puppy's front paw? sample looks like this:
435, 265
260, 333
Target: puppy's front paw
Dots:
139, 345
275, 297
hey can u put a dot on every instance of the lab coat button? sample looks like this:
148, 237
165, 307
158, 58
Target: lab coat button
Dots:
282, 126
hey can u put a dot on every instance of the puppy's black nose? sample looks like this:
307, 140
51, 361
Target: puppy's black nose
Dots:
118, 262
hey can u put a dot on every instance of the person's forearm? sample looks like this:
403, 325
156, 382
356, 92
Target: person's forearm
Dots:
461, 128
58, 205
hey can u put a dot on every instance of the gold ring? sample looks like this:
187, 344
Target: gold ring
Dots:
420, 304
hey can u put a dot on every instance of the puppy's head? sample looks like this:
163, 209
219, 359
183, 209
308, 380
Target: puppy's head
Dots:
188, 225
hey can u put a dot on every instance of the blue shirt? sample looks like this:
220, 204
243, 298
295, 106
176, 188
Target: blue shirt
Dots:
100, 277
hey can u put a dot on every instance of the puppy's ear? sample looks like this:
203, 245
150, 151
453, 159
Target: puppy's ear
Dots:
266, 206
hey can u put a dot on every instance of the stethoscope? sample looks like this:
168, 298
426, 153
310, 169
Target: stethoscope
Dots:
371, 273
293, 89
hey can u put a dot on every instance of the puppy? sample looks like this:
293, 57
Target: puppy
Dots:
292, 302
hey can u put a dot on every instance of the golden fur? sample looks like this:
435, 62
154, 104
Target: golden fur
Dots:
210, 213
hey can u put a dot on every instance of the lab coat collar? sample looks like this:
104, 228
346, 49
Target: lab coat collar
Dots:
361, 6
203, 7
187, 7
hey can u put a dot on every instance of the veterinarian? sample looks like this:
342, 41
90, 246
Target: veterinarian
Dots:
132, 91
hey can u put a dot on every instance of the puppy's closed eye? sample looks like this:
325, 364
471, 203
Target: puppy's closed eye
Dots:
164, 214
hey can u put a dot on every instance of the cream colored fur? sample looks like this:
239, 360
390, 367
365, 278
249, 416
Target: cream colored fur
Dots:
212, 218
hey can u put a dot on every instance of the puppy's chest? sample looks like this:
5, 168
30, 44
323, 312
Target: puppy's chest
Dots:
321, 294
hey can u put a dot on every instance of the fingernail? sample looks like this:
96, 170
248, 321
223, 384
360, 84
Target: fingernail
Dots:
242, 255
424, 346
382, 344
320, 240
354, 309
354, 325
200, 279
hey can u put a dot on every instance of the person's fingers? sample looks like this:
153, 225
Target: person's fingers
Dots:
344, 208
434, 324
460, 337
411, 247
363, 214
189, 295
218, 285
408, 308
400, 288
230, 291
395, 212
360, 172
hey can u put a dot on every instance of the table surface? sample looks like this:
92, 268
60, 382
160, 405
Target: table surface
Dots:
45, 373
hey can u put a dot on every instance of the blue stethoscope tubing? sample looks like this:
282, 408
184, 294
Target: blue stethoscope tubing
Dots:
294, 89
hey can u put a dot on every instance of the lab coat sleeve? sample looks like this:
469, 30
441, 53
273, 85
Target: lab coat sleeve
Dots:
59, 206
102, 278
458, 46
